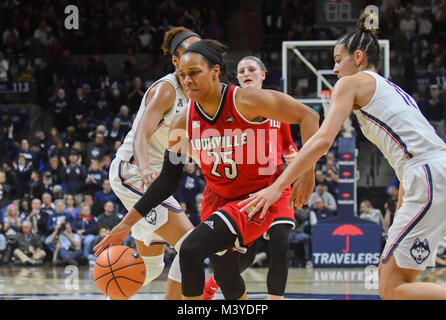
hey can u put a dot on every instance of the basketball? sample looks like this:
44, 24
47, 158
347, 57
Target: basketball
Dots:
119, 272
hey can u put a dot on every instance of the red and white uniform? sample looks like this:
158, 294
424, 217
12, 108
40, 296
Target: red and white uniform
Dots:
237, 157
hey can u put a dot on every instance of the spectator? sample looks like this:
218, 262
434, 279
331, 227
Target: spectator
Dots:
58, 192
102, 233
106, 194
390, 205
11, 222
37, 218
436, 66
85, 226
135, 95
60, 110
97, 148
3, 245
124, 116
194, 217
188, 190
299, 238
23, 170
102, 110
29, 247
48, 183
367, 212
26, 152
80, 107
425, 25
24, 208
36, 186
108, 219
70, 206
435, 111
59, 216
4, 68
321, 191
67, 244
55, 171
145, 36
44, 34
73, 176
117, 132
331, 177
95, 178
12, 179
105, 163
318, 212
5, 195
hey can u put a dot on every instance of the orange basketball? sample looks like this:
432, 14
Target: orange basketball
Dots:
119, 272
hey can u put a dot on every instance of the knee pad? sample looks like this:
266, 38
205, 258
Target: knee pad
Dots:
175, 272
154, 267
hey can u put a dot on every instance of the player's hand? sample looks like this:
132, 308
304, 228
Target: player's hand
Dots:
261, 200
302, 190
290, 156
147, 177
114, 237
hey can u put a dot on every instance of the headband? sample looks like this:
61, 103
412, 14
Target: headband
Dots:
179, 38
207, 51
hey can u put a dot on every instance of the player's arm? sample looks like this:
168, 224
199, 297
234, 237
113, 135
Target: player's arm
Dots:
161, 188
159, 101
254, 103
341, 104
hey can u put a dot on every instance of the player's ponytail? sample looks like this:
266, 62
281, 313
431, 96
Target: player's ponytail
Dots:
364, 39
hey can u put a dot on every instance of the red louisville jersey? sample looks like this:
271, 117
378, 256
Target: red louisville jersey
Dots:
237, 156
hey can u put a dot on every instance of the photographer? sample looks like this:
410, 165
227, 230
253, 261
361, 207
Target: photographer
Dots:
59, 217
67, 244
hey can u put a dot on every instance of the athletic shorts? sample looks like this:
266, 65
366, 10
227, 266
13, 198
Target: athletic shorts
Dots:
416, 231
126, 183
246, 229
284, 214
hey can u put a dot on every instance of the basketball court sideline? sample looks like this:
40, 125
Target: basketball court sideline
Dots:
76, 283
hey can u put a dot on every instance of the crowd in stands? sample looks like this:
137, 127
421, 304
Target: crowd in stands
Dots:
56, 202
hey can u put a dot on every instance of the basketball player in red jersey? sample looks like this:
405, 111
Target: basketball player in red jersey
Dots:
251, 72
228, 132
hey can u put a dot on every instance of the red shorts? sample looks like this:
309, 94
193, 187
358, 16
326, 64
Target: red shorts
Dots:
246, 229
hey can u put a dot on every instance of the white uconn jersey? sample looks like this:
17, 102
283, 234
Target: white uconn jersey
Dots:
394, 123
157, 144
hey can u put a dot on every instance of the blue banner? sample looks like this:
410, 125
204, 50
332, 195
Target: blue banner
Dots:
346, 244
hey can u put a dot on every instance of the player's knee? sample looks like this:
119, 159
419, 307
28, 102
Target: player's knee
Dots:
279, 240
191, 252
232, 287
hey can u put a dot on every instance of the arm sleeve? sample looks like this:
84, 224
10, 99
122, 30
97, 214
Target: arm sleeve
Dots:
164, 185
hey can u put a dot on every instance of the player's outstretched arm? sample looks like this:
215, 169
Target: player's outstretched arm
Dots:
341, 104
163, 186
159, 100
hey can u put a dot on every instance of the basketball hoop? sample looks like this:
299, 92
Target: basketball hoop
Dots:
325, 98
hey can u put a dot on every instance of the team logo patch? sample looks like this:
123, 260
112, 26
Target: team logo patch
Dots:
151, 217
420, 250
256, 217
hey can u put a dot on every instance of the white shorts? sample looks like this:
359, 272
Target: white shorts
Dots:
417, 227
126, 183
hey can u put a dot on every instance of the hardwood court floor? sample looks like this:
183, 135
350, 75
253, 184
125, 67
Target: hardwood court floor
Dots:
72, 283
